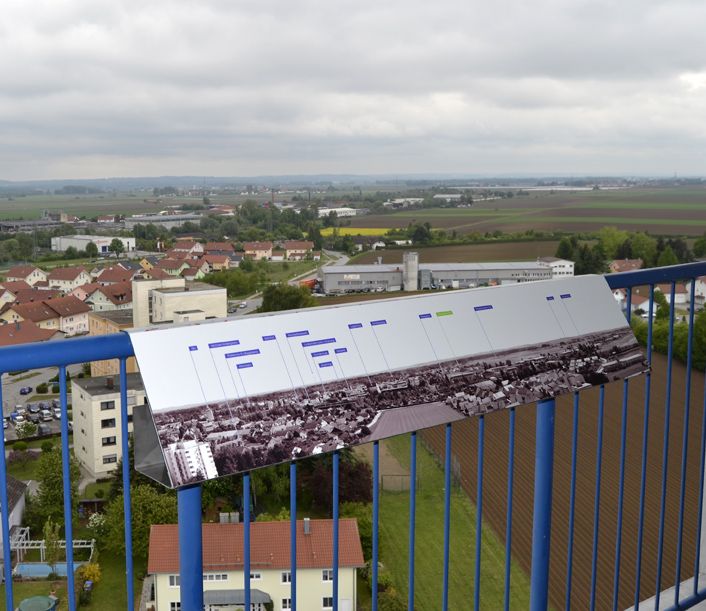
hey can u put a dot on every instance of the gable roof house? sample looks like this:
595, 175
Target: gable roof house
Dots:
297, 249
258, 250
114, 275
37, 312
28, 273
216, 262
171, 266
68, 278
25, 332
219, 248
270, 575
73, 314
110, 297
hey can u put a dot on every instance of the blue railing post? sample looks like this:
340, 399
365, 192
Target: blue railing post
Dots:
127, 497
68, 505
293, 534
190, 548
5, 516
542, 517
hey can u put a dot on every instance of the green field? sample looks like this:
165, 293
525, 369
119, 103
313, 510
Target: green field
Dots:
394, 528
676, 211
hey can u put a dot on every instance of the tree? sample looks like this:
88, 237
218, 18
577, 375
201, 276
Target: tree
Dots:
644, 247
49, 500
277, 297
26, 429
116, 246
700, 246
565, 249
667, 257
611, 238
92, 250
70, 253
51, 543
148, 507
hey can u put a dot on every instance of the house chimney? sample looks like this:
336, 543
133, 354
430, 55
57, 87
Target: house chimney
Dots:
307, 526
110, 383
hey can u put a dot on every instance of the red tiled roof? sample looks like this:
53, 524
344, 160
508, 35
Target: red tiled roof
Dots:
257, 246
27, 295
16, 285
118, 293
36, 311
667, 288
66, 273
298, 245
115, 274
218, 246
185, 244
20, 271
67, 306
155, 274
85, 289
626, 265
23, 333
269, 546
169, 264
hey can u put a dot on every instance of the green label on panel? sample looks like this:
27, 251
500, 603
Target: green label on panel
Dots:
445, 313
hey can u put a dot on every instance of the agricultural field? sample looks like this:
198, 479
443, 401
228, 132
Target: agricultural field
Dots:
675, 211
465, 253
366, 231
465, 443
31, 206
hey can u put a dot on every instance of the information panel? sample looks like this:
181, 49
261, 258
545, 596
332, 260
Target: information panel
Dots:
230, 396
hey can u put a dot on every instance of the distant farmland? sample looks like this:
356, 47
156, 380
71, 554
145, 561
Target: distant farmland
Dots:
677, 211
466, 253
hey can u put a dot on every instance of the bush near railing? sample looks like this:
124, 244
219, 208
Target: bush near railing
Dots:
660, 338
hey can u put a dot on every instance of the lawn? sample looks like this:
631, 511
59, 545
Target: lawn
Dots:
27, 589
281, 272
26, 470
111, 593
394, 529
92, 490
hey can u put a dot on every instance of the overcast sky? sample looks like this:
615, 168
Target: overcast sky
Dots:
245, 87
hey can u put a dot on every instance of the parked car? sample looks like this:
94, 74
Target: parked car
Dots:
34, 418
34, 408
5, 423
25, 390
17, 418
243, 304
44, 429
20, 409
47, 416
57, 413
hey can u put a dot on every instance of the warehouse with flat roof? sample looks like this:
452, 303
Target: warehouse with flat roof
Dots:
413, 276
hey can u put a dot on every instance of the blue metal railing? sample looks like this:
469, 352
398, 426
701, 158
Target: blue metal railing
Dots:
64, 353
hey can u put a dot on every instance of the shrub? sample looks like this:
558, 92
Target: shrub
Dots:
52, 576
47, 446
20, 446
26, 429
100, 493
19, 458
42, 388
91, 571
55, 388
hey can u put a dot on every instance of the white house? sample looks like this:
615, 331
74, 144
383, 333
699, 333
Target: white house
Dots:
270, 576
561, 268
29, 273
68, 278
680, 293
16, 502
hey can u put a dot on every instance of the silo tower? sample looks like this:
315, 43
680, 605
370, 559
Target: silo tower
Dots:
410, 271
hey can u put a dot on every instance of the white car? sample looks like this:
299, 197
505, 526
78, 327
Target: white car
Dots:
46, 416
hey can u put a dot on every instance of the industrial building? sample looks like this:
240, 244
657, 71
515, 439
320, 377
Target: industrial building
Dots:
412, 275
79, 242
162, 220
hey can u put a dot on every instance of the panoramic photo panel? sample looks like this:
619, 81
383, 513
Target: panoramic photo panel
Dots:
230, 396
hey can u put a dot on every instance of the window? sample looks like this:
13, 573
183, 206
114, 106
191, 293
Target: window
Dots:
328, 602
255, 576
286, 604
110, 459
108, 441
174, 581
327, 575
129, 418
108, 423
286, 577
175, 606
107, 405
215, 577
132, 400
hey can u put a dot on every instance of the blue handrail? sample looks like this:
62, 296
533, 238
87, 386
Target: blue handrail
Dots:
63, 353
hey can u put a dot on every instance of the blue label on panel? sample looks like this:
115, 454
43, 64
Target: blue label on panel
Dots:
268, 338
232, 342
340, 350
296, 333
375, 323
193, 348
319, 342
550, 298
320, 353
481, 308
244, 365
233, 355
326, 364
565, 296
355, 325
425, 316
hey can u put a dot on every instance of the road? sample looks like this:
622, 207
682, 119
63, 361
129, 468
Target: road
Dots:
255, 301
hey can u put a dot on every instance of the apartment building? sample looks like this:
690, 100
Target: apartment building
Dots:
28, 273
68, 278
258, 250
106, 323
97, 420
270, 576
176, 300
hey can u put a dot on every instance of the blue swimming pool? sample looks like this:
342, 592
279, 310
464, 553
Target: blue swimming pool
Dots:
41, 569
